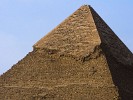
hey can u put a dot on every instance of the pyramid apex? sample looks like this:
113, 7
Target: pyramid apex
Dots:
76, 32
84, 28
86, 5
81, 58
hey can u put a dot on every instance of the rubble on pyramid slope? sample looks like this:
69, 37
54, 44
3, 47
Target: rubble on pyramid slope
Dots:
49, 70
42, 71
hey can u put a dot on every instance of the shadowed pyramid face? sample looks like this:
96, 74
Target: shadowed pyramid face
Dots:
81, 59
115, 46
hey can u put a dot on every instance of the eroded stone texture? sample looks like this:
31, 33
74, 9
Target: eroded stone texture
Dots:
76, 36
71, 62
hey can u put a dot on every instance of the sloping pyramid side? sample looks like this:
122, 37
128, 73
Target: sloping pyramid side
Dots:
76, 36
109, 39
67, 64
119, 58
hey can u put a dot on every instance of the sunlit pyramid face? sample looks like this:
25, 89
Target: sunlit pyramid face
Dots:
81, 59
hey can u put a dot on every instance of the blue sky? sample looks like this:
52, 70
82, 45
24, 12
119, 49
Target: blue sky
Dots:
24, 22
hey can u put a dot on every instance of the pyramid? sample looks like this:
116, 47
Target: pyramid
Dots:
81, 59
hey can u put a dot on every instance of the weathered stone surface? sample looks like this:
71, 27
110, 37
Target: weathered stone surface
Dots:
81, 59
